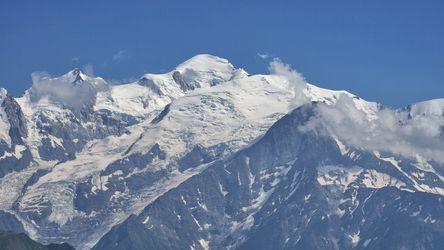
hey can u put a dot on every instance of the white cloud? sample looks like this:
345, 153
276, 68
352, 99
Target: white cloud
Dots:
120, 55
121, 81
396, 131
88, 69
65, 90
263, 55
392, 131
295, 80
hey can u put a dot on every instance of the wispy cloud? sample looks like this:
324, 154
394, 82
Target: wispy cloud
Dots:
263, 55
88, 69
294, 79
121, 81
120, 55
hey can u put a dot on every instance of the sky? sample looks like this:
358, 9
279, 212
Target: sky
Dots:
391, 52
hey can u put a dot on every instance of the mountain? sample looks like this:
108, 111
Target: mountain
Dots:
208, 156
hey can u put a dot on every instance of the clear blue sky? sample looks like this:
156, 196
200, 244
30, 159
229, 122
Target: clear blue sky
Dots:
386, 51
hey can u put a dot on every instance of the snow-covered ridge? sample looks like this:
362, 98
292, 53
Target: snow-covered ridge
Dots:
428, 108
154, 91
76, 89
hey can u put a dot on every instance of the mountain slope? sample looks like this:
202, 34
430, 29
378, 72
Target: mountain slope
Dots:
292, 190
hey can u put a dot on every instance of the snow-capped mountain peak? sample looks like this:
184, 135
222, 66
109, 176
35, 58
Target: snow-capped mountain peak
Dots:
207, 63
206, 70
78, 75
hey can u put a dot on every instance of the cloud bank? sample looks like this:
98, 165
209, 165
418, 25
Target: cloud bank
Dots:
65, 90
415, 136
